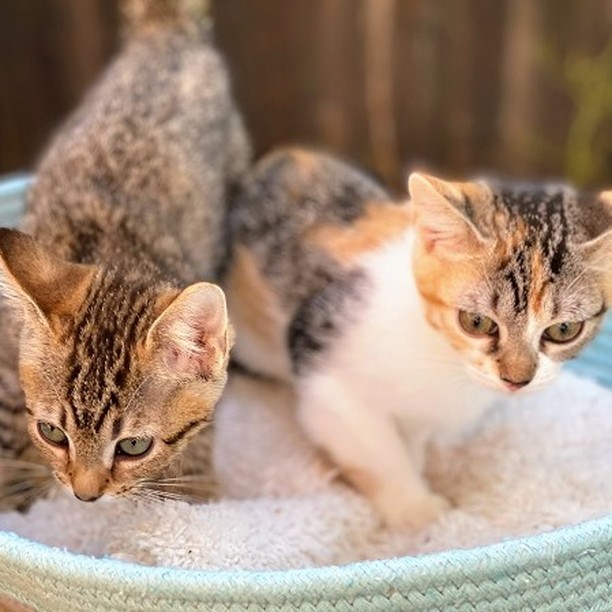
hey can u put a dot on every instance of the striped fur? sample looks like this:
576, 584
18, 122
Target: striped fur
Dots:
355, 299
116, 336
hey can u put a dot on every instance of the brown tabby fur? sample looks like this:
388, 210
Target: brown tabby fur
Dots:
117, 336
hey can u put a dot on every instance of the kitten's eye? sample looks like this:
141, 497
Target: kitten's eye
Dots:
134, 447
563, 332
52, 434
476, 324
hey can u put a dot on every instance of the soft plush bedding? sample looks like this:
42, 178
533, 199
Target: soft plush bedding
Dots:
534, 465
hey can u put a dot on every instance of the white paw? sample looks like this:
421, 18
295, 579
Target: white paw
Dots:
412, 510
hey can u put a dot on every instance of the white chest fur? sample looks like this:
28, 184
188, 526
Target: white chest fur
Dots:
395, 361
385, 386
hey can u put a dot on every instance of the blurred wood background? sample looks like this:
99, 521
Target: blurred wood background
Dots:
518, 87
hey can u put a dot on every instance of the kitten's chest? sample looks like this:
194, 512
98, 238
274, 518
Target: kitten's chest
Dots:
396, 362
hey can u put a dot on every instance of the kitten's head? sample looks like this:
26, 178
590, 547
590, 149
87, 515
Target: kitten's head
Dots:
118, 372
516, 277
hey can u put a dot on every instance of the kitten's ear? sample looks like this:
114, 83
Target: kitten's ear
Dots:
193, 332
597, 219
441, 214
31, 276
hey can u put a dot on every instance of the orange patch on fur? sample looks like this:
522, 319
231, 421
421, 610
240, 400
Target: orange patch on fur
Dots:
305, 160
539, 280
379, 224
253, 305
439, 283
364, 481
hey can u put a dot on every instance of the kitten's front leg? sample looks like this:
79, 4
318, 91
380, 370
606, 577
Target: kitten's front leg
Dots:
367, 446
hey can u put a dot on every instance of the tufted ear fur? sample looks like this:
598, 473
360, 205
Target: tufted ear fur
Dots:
597, 219
442, 215
193, 333
40, 282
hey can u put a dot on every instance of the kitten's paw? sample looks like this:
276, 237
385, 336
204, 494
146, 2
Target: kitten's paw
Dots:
413, 511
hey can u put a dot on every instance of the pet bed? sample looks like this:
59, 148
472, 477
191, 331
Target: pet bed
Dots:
561, 568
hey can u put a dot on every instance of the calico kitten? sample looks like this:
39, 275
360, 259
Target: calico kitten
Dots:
122, 347
396, 320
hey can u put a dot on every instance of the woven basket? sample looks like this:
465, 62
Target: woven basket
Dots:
566, 570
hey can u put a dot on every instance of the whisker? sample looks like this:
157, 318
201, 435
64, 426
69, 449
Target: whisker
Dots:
21, 494
151, 496
179, 489
582, 273
185, 478
19, 464
16, 487
137, 390
192, 485
138, 497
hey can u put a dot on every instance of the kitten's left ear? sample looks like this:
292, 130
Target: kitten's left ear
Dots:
193, 333
442, 214
597, 219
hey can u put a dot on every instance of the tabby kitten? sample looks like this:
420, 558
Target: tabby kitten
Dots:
397, 320
122, 347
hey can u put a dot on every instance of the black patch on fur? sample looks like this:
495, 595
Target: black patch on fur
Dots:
322, 316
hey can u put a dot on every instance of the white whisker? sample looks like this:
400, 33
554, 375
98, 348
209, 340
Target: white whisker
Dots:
137, 390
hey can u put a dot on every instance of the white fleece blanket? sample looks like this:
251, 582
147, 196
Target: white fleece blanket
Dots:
531, 465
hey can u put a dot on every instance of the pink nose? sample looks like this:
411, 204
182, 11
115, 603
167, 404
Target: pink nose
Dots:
515, 385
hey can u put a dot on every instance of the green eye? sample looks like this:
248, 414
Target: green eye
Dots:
52, 434
133, 447
476, 324
563, 332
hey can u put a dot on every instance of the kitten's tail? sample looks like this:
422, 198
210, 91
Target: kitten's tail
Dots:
143, 15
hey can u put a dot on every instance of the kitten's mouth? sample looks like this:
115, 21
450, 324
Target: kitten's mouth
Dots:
498, 384
81, 495
494, 384
511, 389
513, 386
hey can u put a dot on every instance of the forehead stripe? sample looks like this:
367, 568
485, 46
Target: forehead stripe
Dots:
102, 349
173, 439
62, 418
113, 402
117, 424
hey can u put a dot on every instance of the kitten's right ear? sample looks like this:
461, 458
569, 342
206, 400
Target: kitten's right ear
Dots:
597, 220
193, 334
42, 283
440, 213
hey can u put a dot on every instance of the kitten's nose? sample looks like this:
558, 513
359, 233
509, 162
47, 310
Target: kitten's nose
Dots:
89, 483
515, 385
84, 498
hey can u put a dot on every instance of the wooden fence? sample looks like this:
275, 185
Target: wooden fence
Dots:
518, 87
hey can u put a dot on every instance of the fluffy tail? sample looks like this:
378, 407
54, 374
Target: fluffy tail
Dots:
143, 15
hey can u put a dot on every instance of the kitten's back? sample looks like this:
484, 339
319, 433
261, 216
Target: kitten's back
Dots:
156, 145
287, 198
291, 283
